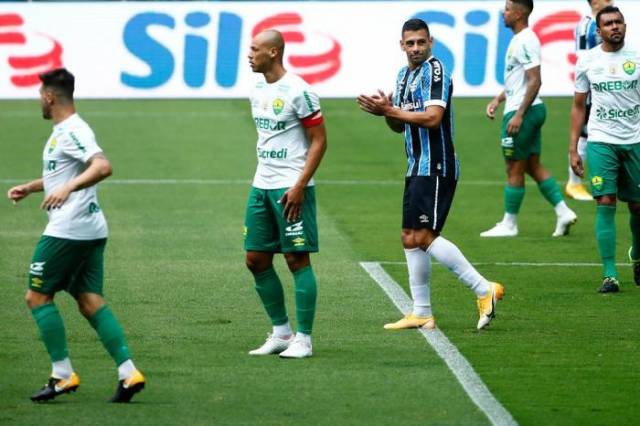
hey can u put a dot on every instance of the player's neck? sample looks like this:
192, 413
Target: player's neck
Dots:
274, 74
611, 48
61, 113
519, 26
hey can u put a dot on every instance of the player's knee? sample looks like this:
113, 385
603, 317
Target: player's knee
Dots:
634, 209
35, 299
606, 200
408, 240
297, 261
256, 263
88, 304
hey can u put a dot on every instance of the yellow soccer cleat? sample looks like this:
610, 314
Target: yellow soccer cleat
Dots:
55, 387
412, 321
487, 304
129, 387
577, 191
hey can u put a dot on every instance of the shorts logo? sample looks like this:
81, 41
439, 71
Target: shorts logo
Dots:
37, 268
278, 106
36, 282
423, 218
507, 142
597, 182
629, 67
298, 242
294, 230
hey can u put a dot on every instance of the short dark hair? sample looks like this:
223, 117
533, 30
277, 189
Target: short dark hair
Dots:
527, 4
608, 9
415, 25
60, 80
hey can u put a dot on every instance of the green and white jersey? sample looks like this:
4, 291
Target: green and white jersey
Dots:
612, 78
522, 55
281, 111
65, 155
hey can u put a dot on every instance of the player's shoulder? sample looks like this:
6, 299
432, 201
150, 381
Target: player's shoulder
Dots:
435, 66
75, 128
529, 37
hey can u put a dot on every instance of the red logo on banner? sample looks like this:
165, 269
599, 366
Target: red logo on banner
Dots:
312, 68
559, 26
27, 67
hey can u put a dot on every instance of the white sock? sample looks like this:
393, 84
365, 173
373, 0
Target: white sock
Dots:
582, 148
304, 337
419, 266
126, 370
510, 219
447, 254
61, 369
283, 330
561, 208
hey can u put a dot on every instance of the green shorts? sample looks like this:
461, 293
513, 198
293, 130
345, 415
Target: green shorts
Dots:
71, 265
266, 229
614, 170
527, 141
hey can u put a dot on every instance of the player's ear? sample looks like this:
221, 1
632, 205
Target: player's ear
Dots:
402, 45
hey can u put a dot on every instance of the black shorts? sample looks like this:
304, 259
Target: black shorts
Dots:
583, 131
426, 202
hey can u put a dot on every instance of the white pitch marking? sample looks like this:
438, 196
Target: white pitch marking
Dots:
521, 264
459, 366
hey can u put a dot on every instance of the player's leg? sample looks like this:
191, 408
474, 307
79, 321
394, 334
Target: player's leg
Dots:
603, 170
261, 242
513, 195
87, 288
51, 267
634, 250
550, 190
298, 239
629, 191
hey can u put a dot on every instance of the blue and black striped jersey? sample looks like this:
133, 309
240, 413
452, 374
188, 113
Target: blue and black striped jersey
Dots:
586, 35
429, 152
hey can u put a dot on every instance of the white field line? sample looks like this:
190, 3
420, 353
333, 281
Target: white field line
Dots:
459, 366
523, 264
363, 182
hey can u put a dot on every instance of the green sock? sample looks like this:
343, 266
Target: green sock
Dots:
606, 238
634, 222
51, 328
270, 290
110, 334
513, 196
550, 190
306, 294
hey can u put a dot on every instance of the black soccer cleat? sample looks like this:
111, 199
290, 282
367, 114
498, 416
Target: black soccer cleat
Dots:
609, 285
635, 264
128, 387
56, 387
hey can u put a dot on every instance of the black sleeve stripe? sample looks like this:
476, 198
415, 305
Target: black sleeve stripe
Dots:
437, 80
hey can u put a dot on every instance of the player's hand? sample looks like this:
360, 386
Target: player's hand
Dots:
513, 127
492, 107
17, 193
56, 199
375, 104
576, 164
292, 201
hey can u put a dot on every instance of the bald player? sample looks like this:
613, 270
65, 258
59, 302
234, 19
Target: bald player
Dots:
281, 209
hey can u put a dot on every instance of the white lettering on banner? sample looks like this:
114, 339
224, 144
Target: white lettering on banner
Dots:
199, 49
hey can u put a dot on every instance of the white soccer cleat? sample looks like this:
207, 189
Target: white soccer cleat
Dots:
564, 223
501, 229
299, 348
273, 345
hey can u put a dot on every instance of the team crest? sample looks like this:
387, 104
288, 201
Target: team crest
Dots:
52, 145
629, 67
597, 182
278, 106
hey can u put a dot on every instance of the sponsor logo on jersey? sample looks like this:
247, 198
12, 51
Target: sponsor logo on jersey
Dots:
294, 230
37, 268
629, 67
278, 106
265, 153
597, 182
615, 85
53, 145
615, 113
412, 106
94, 207
268, 124
51, 165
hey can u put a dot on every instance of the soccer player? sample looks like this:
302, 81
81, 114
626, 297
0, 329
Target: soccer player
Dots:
586, 38
281, 210
524, 115
611, 74
69, 255
421, 109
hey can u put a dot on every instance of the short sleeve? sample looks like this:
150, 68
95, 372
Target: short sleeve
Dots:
436, 83
307, 108
582, 79
80, 144
528, 53
397, 95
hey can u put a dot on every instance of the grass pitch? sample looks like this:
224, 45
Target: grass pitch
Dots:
558, 353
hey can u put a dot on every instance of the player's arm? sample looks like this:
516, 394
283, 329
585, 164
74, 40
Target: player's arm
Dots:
317, 137
19, 192
492, 106
534, 81
578, 115
98, 169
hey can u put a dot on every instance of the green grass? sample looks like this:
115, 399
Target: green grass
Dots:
558, 353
